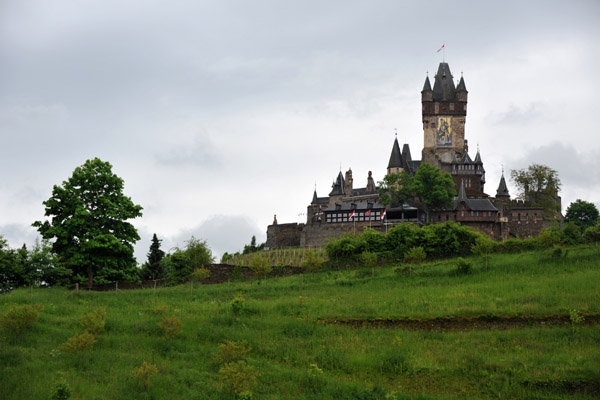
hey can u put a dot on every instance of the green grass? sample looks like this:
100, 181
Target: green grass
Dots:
278, 322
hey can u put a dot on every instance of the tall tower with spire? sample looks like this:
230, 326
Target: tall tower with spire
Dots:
444, 110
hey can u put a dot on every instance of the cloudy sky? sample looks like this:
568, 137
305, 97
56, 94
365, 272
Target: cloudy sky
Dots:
220, 114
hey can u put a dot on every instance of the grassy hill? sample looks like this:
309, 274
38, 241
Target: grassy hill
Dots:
277, 339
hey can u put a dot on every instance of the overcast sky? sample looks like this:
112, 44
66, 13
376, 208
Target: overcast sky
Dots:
220, 114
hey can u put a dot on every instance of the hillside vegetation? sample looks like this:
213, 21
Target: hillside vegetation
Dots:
261, 338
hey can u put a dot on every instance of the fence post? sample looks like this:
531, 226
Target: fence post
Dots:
77, 288
116, 286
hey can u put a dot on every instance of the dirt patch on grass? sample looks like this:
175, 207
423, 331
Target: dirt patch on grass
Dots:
452, 323
588, 387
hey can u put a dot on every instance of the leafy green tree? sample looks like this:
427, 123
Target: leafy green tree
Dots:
198, 253
10, 275
395, 188
153, 268
253, 247
538, 185
434, 189
582, 213
89, 224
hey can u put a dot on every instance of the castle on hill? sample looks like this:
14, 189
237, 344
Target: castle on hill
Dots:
347, 208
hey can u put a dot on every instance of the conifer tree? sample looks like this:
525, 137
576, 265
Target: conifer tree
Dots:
153, 269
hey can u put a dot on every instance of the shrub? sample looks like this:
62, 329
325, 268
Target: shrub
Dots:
231, 351
549, 237
558, 252
483, 246
19, 318
571, 234
81, 342
93, 322
463, 266
237, 377
170, 326
260, 265
312, 262
415, 255
201, 274
237, 304
592, 234
576, 320
368, 259
143, 373
60, 390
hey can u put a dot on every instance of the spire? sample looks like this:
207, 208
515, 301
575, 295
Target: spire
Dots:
427, 85
502, 189
466, 159
314, 200
338, 186
478, 158
396, 156
406, 153
461, 85
443, 86
462, 194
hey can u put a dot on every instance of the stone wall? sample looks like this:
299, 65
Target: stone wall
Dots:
316, 235
283, 235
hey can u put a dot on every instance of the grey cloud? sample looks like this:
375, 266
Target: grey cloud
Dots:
199, 151
519, 116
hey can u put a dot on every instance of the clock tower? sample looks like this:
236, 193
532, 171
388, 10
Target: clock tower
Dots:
444, 110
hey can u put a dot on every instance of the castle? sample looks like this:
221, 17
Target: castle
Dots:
348, 209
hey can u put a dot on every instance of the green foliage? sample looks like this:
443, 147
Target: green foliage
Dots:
395, 189
89, 214
434, 189
582, 213
231, 351
19, 318
93, 321
180, 265
576, 319
60, 390
415, 255
463, 266
79, 343
171, 326
200, 274
143, 373
483, 247
252, 247
558, 252
549, 237
368, 259
153, 268
260, 265
592, 234
237, 304
538, 186
312, 261
237, 377
571, 234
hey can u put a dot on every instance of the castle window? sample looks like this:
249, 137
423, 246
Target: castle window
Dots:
471, 213
437, 108
477, 213
519, 216
489, 214
462, 213
439, 217
451, 106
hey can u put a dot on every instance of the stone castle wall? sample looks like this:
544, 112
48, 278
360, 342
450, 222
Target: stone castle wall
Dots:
284, 235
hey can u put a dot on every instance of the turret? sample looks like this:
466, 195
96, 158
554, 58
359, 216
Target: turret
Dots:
427, 93
461, 91
396, 163
348, 184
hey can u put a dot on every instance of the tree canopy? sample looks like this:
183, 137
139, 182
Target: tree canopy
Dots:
153, 269
433, 189
538, 185
582, 213
88, 226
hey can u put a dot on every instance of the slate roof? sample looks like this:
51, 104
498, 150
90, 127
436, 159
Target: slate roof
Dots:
443, 86
427, 85
319, 200
478, 159
472, 204
337, 187
502, 189
461, 86
396, 156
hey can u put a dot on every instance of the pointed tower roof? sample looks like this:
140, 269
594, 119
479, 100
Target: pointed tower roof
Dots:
315, 198
443, 86
466, 159
454, 159
461, 85
406, 153
462, 194
478, 159
502, 189
427, 85
338, 186
396, 156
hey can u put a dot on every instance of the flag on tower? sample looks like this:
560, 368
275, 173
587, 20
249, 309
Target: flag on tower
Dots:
440, 49
368, 213
352, 215
383, 214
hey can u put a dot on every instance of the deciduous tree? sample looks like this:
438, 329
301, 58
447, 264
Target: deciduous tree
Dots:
88, 224
434, 189
538, 185
582, 213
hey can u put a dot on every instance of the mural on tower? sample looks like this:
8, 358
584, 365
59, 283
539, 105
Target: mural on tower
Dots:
444, 132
